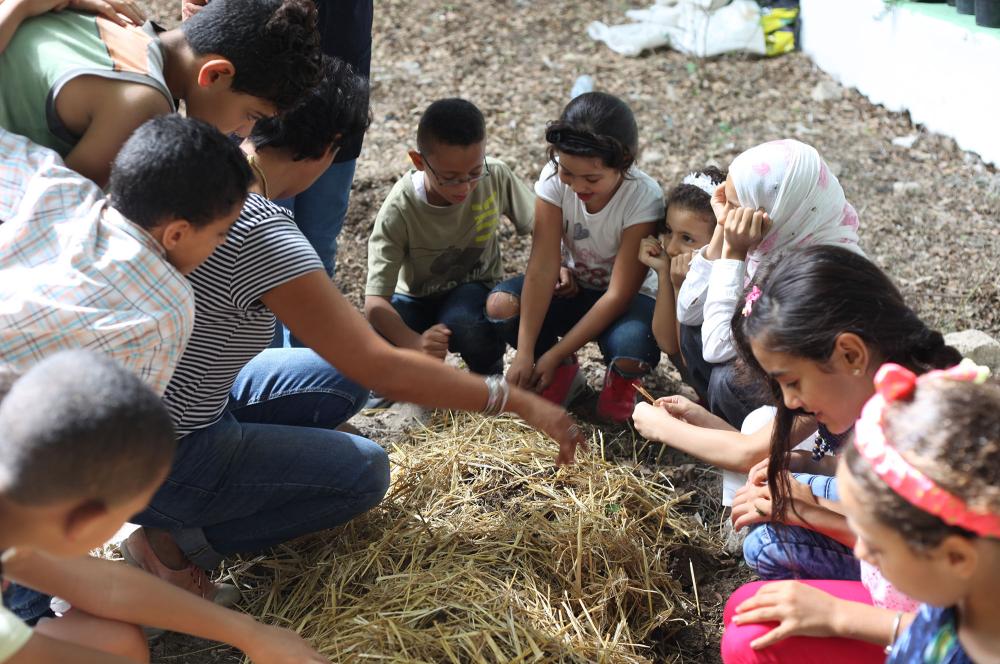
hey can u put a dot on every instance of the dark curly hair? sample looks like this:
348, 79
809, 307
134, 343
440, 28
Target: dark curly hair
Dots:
273, 44
333, 112
690, 197
596, 124
809, 298
950, 431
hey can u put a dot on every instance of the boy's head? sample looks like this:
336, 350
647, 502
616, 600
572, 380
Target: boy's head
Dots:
255, 58
451, 150
182, 181
690, 221
309, 135
83, 445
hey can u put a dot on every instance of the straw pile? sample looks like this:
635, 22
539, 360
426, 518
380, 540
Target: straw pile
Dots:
484, 552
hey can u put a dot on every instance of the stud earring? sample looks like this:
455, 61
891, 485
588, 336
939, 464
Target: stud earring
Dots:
856, 372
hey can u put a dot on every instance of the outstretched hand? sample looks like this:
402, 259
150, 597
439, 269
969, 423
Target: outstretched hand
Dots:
799, 610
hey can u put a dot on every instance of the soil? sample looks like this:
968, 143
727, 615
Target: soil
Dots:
936, 232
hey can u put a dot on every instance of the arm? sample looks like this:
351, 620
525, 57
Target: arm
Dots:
387, 322
665, 329
725, 286
691, 296
14, 12
119, 592
41, 649
317, 313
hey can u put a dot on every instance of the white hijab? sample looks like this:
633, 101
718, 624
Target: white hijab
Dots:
804, 200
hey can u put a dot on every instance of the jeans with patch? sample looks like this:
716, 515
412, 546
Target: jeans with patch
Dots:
779, 551
272, 468
717, 385
630, 337
463, 310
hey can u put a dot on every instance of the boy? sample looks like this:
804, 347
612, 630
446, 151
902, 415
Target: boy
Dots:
78, 270
84, 445
434, 253
81, 84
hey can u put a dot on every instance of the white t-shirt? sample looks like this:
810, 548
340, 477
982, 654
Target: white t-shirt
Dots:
591, 240
13, 634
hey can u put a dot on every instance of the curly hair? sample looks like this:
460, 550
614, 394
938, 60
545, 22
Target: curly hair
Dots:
950, 431
273, 44
694, 198
333, 112
596, 124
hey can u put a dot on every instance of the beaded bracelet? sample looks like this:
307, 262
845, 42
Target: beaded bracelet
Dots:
499, 393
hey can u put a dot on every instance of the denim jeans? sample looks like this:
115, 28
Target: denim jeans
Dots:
629, 337
717, 384
319, 213
463, 310
272, 468
779, 551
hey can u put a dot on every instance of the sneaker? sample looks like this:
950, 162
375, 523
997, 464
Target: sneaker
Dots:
617, 399
137, 552
567, 384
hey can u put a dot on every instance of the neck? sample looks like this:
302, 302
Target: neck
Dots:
432, 196
278, 169
979, 612
179, 62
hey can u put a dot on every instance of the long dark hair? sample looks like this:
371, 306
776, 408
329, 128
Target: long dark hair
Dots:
809, 298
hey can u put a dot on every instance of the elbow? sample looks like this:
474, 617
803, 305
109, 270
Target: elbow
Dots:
666, 340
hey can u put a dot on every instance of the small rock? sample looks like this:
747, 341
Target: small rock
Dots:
652, 156
978, 346
904, 188
410, 67
905, 141
827, 91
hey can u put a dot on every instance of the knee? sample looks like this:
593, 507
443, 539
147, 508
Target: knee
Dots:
630, 368
375, 476
502, 306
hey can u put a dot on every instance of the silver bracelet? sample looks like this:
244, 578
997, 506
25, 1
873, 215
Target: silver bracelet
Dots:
895, 632
499, 393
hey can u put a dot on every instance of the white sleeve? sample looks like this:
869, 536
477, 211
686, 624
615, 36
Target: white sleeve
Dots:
691, 298
725, 285
549, 187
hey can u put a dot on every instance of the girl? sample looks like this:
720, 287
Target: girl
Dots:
594, 207
778, 196
688, 226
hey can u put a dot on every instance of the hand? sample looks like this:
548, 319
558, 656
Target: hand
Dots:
651, 421
521, 371
757, 474
799, 610
720, 203
274, 645
122, 12
688, 411
545, 370
552, 420
651, 254
679, 266
566, 286
434, 341
191, 7
745, 228
751, 505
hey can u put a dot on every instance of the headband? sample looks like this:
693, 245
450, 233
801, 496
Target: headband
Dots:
894, 383
571, 140
701, 180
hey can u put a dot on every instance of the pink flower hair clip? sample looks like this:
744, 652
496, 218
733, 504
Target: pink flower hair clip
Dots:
752, 297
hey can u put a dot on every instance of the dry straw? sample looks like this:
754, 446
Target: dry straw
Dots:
484, 552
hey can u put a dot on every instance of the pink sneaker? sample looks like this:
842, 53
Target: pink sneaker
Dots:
617, 400
567, 384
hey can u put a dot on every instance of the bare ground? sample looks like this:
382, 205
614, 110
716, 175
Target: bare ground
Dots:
517, 60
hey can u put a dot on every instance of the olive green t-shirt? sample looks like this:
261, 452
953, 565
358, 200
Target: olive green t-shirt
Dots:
419, 249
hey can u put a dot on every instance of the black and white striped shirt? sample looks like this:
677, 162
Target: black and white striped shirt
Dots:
264, 249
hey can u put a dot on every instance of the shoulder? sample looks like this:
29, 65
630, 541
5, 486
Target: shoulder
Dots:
643, 185
400, 200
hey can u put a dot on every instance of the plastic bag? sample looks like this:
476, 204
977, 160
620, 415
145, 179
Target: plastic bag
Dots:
629, 39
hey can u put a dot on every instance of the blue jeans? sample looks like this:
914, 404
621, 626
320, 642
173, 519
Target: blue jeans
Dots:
272, 468
463, 310
319, 213
717, 385
779, 551
630, 337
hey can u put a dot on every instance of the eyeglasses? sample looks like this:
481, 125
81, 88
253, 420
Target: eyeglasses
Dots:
454, 182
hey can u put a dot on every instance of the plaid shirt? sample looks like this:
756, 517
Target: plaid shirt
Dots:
74, 273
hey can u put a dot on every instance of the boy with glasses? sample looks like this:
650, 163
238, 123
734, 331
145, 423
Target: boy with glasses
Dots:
434, 253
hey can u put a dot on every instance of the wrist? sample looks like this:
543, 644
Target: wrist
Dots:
733, 254
839, 612
242, 630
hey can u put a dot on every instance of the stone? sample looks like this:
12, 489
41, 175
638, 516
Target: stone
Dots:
904, 188
827, 91
978, 346
905, 141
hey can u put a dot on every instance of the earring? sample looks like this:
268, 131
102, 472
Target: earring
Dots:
856, 372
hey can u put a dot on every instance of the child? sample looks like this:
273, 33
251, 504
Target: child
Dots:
778, 196
81, 84
688, 226
434, 254
594, 207
78, 270
84, 446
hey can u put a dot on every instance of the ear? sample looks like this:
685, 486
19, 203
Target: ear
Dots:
174, 232
960, 555
418, 161
851, 353
213, 70
83, 520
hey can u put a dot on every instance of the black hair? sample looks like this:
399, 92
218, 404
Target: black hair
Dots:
950, 431
333, 112
451, 121
273, 45
809, 298
694, 198
596, 124
178, 168
77, 426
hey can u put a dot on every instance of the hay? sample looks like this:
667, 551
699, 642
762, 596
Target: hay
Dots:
484, 552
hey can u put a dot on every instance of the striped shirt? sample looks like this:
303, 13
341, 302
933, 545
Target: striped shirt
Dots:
74, 273
264, 250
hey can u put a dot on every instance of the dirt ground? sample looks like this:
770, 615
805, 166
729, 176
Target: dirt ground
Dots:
936, 231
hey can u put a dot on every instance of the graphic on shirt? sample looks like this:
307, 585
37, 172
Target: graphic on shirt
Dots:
454, 263
579, 232
939, 648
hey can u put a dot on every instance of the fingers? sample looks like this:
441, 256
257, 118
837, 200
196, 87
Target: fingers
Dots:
132, 12
779, 633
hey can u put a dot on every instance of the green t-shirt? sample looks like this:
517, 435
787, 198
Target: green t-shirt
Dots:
419, 249
48, 51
